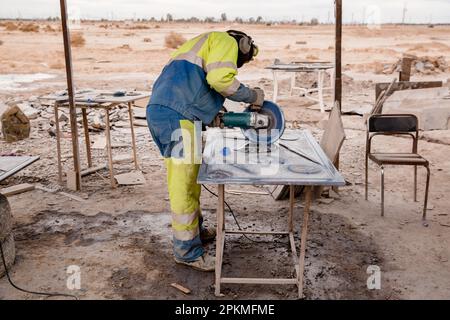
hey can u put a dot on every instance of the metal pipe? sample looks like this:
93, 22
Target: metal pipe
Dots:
426, 194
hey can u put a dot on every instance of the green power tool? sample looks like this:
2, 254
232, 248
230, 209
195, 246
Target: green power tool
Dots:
263, 126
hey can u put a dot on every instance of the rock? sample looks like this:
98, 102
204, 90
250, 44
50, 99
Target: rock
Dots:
326, 201
15, 124
51, 131
29, 111
333, 195
97, 121
420, 66
63, 117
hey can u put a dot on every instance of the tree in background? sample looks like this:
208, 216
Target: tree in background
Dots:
223, 17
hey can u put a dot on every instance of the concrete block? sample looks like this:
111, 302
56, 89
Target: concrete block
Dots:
431, 106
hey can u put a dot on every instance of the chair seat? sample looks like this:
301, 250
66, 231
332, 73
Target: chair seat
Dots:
411, 159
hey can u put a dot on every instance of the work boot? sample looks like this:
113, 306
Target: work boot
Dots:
207, 235
203, 263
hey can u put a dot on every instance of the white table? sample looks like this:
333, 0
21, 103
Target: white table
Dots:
319, 68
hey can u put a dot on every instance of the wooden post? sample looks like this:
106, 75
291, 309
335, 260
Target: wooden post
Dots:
70, 90
109, 149
338, 61
86, 137
405, 73
338, 55
304, 234
219, 237
133, 138
58, 142
291, 207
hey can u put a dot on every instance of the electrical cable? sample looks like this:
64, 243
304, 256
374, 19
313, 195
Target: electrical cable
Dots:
232, 213
28, 291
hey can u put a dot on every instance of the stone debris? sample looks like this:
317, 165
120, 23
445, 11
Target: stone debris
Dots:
131, 178
15, 124
420, 65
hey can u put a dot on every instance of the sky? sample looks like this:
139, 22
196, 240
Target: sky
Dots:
379, 11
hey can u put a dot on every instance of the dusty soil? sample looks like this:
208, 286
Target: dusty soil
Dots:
121, 238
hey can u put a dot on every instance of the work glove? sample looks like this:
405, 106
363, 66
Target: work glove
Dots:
217, 121
257, 104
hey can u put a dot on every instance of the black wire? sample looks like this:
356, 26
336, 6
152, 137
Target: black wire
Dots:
232, 213
28, 291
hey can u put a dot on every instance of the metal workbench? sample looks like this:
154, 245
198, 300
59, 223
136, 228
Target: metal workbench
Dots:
296, 159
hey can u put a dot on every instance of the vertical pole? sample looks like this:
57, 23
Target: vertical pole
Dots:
275, 86
133, 137
109, 149
86, 137
291, 207
338, 64
338, 55
219, 236
58, 143
405, 73
304, 234
70, 90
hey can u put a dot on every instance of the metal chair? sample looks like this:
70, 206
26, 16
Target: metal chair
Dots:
395, 124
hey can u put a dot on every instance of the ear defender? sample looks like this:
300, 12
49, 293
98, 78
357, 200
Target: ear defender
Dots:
245, 44
247, 48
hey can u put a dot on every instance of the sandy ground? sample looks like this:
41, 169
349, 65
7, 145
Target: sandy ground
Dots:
121, 238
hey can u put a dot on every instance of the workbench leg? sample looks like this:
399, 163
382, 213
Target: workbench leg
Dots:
133, 138
109, 149
291, 91
86, 137
275, 86
220, 236
58, 143
291, 207
320, 77
304, 234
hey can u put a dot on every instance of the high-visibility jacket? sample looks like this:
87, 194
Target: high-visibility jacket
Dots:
200, 75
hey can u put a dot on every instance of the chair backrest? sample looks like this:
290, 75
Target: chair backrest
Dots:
392, 123
334, 135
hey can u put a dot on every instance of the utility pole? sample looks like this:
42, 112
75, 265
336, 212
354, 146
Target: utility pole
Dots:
405, 9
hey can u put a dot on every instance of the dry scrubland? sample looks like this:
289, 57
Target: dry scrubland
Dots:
121, 238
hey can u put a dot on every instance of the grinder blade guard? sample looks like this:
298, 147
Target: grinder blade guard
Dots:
273, 131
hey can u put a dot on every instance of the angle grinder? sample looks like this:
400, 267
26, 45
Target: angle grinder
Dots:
265, 125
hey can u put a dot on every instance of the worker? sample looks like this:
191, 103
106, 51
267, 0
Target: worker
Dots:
191, 89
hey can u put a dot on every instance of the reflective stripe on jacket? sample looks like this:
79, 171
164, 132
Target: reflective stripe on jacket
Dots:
201, 73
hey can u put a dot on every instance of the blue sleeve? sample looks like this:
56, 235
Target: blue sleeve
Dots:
243, 94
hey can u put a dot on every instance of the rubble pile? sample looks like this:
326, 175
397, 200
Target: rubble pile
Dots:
420, 65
